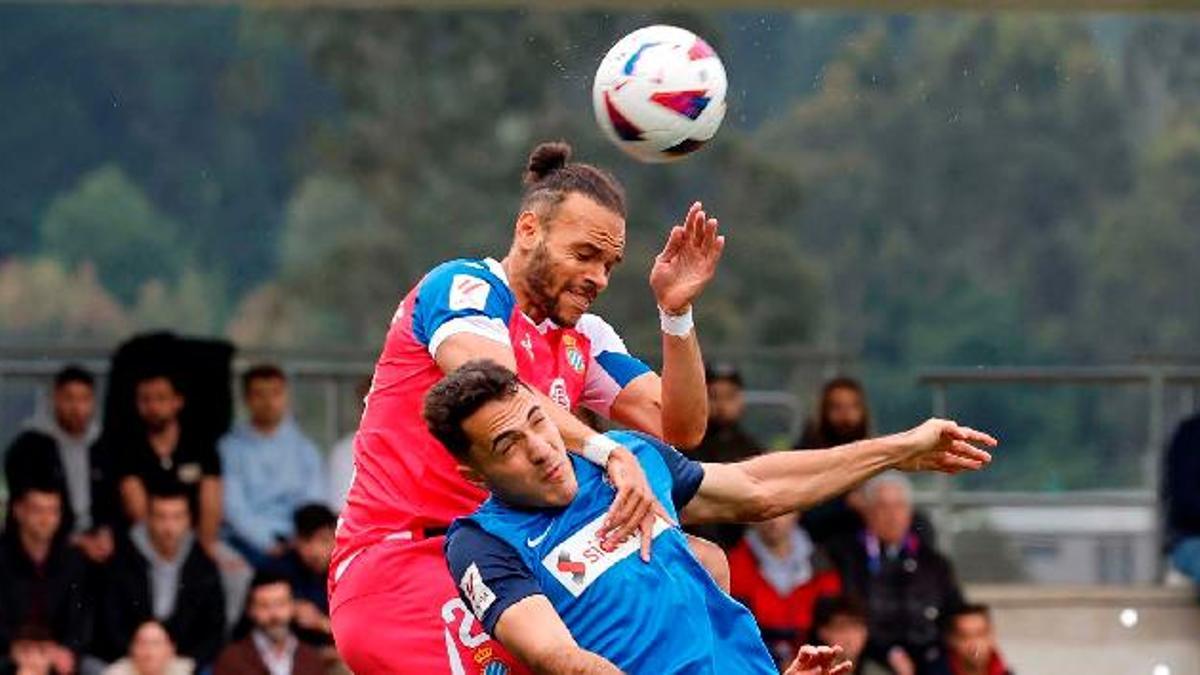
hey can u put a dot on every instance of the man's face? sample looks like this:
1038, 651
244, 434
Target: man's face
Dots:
267, 401
573, 252
158, 403
271, 610
151, 650
167, 521
844, 410
316, 551
972, 640
38, 515
847, 632
725, 402
889, 513
776, 531
74, 403
518, 451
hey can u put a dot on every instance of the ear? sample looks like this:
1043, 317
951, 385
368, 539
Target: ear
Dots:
528, 231
471, 476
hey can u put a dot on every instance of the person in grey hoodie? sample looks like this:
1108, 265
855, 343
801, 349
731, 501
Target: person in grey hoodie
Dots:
270, 468
161, 573
60, 443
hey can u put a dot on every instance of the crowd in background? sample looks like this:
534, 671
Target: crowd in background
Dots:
161, 550
862, 571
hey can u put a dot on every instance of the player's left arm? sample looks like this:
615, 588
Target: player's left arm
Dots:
504, 595
769, 485
675, 406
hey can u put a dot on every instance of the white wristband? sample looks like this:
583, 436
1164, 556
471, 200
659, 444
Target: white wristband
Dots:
597, 449
678, 325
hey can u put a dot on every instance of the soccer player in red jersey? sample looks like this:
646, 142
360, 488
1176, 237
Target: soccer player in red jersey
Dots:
394, 606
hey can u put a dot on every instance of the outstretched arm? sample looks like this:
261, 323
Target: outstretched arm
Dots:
536, 635
675, 406
776, 483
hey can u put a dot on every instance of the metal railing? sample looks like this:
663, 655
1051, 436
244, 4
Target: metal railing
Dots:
1155, 378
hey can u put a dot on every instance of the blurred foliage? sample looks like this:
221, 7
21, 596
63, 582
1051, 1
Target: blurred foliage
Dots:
935, 189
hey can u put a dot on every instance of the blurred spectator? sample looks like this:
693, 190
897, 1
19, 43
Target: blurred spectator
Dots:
1181, 496
271, 468
44, 605
779, 575
305, 565
341, 457
62, 445
724, 440
160, 573
163, 457
842, 622
908, 586
842, 417
152, 652
971, 641
271, 648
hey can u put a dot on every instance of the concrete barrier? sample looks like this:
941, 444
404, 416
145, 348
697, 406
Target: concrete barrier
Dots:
1096, 630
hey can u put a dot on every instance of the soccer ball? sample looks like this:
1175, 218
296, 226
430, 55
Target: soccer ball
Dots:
659, 93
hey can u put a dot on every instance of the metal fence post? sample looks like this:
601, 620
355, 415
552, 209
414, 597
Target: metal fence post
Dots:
944, 487
1155, 439
332, 411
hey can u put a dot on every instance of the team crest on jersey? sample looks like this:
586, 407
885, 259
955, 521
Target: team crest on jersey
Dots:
583, 558
574, 356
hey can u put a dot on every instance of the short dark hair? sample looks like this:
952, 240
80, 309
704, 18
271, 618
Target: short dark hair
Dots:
966, 609
266, 577
311, 518
167, 490
723, 372
156, 374
830, 608
262, 371
41, 482
550, 176
71, 374
461, 394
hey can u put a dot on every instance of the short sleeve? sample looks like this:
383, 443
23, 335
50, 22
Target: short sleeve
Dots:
686, 474
489, 574
461, 297
210, 460
610, 366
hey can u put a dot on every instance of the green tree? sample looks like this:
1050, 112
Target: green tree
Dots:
108, 220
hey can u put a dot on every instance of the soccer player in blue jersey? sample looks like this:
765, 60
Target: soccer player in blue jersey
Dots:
530, 564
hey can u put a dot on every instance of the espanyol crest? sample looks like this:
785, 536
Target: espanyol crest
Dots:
574, 356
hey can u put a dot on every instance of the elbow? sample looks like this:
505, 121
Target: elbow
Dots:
684, 436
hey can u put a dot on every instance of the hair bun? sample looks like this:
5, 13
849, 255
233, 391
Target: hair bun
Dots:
545, 159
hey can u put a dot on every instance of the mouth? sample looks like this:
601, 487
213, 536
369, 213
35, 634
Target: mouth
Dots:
555, 474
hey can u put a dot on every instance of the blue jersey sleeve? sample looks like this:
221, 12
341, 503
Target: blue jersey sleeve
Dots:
461, 296
686, 474
490, 575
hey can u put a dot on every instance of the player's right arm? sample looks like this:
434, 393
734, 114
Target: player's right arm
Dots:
534, 633
499, 589
461, 314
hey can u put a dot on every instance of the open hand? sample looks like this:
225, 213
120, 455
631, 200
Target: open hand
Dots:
945, 446
635, 507
687, 262
819, 661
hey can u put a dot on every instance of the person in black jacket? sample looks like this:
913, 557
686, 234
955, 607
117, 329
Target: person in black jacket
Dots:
161, 572
44, 606
1181, 498
62, 444
909, 588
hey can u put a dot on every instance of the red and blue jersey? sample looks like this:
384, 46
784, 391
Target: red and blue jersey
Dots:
404, 480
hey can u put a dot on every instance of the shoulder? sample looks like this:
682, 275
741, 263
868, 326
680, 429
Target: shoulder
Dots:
200, 564
462, 276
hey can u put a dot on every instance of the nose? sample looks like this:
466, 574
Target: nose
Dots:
597, 277
540, 451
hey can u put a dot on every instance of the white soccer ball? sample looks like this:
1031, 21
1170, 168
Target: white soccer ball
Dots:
659, 93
